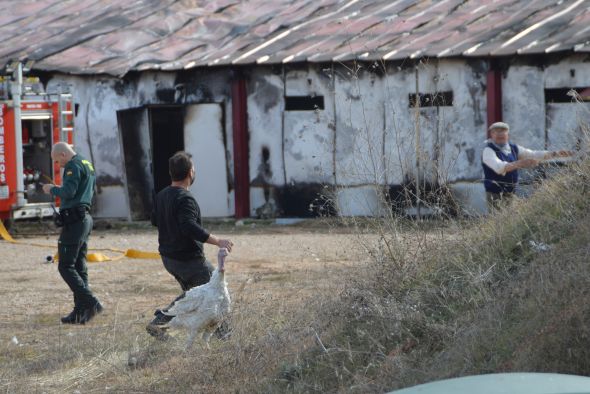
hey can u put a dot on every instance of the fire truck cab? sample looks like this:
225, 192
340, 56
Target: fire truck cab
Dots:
31, 121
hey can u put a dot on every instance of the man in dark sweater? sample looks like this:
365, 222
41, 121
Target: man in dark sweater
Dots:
181, 235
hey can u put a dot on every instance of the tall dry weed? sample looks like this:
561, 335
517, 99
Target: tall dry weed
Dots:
505, 292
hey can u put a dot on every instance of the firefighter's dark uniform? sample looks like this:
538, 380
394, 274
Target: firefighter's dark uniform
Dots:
76, 198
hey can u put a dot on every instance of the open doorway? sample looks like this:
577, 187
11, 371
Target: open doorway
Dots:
149, 136
167, 137
135, 143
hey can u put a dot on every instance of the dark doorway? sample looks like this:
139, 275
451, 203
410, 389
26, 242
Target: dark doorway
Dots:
133, 128
149, 136
167, 135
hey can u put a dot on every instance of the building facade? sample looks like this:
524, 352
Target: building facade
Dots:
316, 132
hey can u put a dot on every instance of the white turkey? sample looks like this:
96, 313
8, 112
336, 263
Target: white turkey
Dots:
203, 308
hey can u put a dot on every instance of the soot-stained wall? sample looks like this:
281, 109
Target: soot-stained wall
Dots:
360, 143
97, 130
364, 137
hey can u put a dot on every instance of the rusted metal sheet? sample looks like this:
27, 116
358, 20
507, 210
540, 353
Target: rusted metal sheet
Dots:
114, 37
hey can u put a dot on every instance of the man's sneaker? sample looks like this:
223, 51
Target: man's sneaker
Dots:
89, 313
160, 318
223, 331
72, 318
157, 331
156, 327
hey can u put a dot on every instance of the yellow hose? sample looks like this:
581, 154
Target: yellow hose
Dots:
4, 233
90, 257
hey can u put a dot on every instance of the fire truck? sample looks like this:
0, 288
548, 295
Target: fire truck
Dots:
31, 121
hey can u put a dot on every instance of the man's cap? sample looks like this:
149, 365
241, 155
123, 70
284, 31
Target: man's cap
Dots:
499, 125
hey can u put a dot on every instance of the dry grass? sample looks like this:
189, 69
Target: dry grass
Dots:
276, 276
450, 302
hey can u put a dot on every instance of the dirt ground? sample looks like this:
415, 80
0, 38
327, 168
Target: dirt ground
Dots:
267, 261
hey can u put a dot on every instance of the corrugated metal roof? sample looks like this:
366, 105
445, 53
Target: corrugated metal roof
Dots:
114, 37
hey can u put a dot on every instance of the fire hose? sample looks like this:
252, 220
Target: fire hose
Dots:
95, 257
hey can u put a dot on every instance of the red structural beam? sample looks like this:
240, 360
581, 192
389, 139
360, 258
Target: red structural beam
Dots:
494, 96
240, 139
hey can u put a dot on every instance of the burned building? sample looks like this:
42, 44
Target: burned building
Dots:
283, 102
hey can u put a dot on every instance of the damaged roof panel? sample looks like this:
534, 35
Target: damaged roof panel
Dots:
113, 37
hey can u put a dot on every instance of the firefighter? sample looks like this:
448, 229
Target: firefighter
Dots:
76, 197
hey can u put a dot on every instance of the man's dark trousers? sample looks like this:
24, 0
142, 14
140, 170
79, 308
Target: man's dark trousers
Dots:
72, 248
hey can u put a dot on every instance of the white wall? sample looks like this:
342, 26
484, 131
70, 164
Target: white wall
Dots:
523, 105
365, 135
97, 133
359, 128
265, 126
309, 135
450, 134
203, 139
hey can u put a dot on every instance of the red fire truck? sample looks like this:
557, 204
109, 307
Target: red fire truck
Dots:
31, 121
